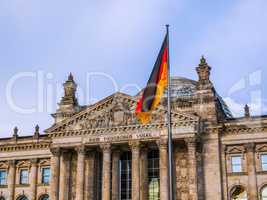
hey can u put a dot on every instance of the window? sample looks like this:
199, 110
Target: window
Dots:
45, 175
236, 163
264, 162
238, 193
44, 197
3, 175
126, 176
22, 198
24, 176
153, 175
264, 193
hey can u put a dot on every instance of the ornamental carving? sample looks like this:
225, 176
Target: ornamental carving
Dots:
106, 147
135, 145
4, 165
261, 148
116, 111
23, 164
235, 149
55, 151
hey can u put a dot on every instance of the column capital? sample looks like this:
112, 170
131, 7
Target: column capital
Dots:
135, 145
34, 161
55, 151
191, 141
81, 149
12, 163
162, 143
250, 147
106, 147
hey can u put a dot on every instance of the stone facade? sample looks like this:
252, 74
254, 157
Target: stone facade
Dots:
101, 151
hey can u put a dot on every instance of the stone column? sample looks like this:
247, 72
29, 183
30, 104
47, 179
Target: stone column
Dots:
135, 146
251, 167
144, 174
106, 171
64, 182
115, 174
11, 179
33, 178
192, 168
55, 172
80, 173
163, 165
90, 175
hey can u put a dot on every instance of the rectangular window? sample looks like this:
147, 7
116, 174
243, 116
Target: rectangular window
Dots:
3, 176
264, 162
24, 176
236, 163
46, 175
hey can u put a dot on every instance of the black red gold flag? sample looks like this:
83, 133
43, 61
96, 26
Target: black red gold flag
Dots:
155, 87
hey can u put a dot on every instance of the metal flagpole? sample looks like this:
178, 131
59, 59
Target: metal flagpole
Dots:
170, 157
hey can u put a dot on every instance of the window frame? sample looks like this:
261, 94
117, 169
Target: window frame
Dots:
5, 180
261, 162
21, 182
233, 165
43, 177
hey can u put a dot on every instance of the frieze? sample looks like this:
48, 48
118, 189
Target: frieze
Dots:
24, 147
122, 129
122, 137
244, 130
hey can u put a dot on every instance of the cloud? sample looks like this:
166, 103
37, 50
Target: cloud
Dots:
257, 107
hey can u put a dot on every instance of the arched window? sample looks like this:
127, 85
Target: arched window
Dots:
264, 193
22, 198
44, 197
238, 193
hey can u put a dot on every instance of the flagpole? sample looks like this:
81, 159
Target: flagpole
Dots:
170, 157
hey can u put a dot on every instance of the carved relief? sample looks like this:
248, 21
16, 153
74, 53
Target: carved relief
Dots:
116, 111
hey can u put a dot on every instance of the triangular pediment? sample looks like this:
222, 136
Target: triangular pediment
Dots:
114, 111
235, 149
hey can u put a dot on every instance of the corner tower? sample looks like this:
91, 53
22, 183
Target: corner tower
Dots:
68, 105
208, 104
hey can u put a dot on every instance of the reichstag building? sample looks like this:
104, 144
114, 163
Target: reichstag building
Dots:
102, 152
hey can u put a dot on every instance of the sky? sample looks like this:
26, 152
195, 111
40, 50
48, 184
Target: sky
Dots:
111, 45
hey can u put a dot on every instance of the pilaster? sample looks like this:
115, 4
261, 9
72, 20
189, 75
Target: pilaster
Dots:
192, 168
11, 178
252, 177
33, 178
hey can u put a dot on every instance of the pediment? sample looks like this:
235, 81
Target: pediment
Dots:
114, 111
235, 149
3, 165
261, 148
23, 164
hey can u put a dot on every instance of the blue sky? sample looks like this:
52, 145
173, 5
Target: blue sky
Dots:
121, 39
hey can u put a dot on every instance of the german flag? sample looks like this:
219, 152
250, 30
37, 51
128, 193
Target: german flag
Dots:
155, 87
